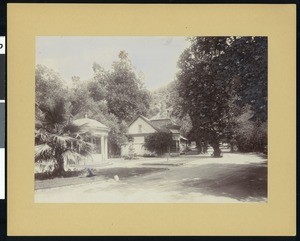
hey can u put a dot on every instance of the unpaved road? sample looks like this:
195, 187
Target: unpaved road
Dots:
187, 179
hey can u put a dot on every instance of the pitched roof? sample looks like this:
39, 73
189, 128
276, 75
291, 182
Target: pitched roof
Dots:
90, 124
161, 125
146, 120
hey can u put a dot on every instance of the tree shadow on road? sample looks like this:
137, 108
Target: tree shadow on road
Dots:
244, 182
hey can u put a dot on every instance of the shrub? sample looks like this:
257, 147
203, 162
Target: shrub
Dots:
158, 142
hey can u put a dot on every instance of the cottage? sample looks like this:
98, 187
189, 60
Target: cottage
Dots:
141, 127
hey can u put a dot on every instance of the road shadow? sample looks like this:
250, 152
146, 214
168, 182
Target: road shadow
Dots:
162, 164
243, 182
124, 173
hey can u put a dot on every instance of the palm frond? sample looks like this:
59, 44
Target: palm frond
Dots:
41, 135
54, 111
43, 152
76, 129
38, 124
72, 128
71, 157
84, 148
62, 142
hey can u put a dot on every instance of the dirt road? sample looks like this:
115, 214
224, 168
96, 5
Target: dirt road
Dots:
187, 179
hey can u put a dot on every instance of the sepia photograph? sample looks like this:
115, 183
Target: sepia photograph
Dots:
151, 119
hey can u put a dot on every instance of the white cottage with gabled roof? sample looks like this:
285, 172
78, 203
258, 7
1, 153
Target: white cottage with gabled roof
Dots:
141, 127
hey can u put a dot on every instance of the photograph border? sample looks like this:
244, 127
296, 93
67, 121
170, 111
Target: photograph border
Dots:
276, 217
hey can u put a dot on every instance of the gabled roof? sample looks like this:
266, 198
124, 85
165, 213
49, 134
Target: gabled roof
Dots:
161, 125
146, 120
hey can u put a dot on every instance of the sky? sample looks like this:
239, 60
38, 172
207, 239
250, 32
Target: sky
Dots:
155, 57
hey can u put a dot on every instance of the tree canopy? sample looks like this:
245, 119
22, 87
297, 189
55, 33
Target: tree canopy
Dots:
218, 77
127, 97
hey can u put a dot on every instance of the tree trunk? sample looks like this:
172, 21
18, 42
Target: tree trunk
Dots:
205, 146
59, 170
199, 147
231, 147
217, 151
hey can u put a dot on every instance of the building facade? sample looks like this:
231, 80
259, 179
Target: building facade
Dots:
141, 127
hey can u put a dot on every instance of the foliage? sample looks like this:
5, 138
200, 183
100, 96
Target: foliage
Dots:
164, 105
48, 84
251, 136
162, 102
98, 85
158, 142
243, 67
217, 77
113, 97
56, 139
117, 133
118, 95
131, 152
246, 70
82, 102
127, 97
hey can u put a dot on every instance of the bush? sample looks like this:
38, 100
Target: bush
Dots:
158, 142
252, 136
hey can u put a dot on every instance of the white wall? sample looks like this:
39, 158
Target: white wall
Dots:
138, 139
146, 128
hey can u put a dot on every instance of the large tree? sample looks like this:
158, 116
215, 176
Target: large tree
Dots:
201, 98
217, 77
127, 96
243, 67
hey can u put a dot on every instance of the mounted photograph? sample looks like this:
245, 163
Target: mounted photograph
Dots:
152, 119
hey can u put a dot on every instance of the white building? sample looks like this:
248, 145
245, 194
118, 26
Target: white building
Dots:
141, 127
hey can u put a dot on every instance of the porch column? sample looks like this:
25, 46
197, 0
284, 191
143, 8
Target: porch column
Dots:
102, 148
105, 149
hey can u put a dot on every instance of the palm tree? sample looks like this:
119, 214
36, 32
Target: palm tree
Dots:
56, 138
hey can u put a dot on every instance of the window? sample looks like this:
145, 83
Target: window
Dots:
140, 128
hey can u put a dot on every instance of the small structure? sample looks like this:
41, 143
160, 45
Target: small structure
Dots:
141, 127
98, 134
